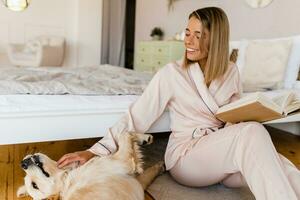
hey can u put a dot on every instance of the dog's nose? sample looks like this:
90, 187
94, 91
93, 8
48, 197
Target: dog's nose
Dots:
26, 163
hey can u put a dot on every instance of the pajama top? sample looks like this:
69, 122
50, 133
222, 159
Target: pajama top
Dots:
191, 105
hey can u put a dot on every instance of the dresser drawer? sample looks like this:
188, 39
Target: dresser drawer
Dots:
145, 48
159, 61
144, 59
144, 68
152, 55
161, 49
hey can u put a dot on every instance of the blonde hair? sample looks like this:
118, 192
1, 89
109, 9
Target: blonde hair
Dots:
216, 22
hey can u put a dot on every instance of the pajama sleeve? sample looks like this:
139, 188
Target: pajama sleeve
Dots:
238, 90
237, 84
140, 115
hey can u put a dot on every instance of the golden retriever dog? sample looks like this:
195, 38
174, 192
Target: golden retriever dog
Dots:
113, 177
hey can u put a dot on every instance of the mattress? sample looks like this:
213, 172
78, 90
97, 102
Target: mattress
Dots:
34, 104
39, 118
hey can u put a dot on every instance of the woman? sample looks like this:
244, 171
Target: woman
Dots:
202, 151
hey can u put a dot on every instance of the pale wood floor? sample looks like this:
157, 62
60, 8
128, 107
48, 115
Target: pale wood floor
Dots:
11, 175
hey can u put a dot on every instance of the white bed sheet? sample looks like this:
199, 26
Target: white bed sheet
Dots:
26, 104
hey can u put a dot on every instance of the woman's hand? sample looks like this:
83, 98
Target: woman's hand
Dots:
80, 157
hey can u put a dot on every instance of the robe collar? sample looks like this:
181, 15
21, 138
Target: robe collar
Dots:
197, 77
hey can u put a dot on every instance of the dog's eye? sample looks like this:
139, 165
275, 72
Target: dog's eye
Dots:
34, 185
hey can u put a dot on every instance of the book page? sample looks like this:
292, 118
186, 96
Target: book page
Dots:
293, 106
283, 100
269, 103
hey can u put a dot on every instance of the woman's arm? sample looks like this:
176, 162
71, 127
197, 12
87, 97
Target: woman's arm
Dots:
140, 115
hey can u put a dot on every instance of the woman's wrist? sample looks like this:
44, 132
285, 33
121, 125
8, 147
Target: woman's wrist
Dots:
90, 154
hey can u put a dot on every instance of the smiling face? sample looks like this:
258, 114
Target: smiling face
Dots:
42, 176
196, 40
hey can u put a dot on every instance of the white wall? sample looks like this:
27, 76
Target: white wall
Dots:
79, 21
89, 32
281, 18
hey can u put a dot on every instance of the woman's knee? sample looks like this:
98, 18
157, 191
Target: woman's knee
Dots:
235, 180
195, 178
254, 131
254, 125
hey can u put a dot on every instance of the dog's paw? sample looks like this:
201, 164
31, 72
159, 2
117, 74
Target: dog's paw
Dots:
144, 139
22, 192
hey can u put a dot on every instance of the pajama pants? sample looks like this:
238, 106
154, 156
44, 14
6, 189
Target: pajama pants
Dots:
240, 155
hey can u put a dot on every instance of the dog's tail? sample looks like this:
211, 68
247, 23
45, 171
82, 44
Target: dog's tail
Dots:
150, 174
129, 149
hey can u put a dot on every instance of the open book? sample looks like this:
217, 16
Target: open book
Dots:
260, 108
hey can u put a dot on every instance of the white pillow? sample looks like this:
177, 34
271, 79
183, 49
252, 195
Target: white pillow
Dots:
56, 41
293, 64
291, 74
265, 65
44, 40
32, 46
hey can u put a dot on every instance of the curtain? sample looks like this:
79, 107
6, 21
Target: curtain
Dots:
113, 32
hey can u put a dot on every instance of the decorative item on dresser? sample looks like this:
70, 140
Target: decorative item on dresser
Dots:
152, 55
157, 33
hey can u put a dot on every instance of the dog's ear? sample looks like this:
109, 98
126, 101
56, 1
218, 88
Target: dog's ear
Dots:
143, 139
22, 192
234, 55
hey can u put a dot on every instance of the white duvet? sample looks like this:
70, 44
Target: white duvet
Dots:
94, 80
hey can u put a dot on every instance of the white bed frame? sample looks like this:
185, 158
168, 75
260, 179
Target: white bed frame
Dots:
53, 126
289, 124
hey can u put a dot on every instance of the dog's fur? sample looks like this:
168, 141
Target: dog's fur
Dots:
111, 177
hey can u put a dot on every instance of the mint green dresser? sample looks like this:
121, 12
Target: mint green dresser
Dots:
152, 55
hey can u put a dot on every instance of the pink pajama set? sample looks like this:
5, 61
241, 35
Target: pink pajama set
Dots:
201, 151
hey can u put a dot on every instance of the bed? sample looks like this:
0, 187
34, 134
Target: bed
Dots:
49, 104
